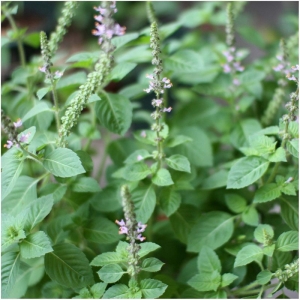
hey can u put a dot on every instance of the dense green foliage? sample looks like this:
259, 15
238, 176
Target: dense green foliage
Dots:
212, 172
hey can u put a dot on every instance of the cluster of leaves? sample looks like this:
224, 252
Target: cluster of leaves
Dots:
223, 205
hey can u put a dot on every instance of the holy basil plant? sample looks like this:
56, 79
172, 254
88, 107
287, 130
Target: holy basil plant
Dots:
197, 198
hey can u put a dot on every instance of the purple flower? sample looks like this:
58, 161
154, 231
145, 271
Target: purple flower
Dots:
291, 77
18, 123
43, 69
157, 102
295, 68
143, 134
226, 68
290, 179
9, 144
139, 157
278, 68
58, 74
141, 227
123, 230
105, 28
140, 237
120, 223
24, 137
167, 109
236, 81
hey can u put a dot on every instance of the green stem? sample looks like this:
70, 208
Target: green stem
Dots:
19, 40
55, 99
106, 139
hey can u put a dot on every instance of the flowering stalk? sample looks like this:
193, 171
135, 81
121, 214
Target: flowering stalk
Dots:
290, 270
133, 230
9, 128
157, 85
50, 78
289, 117
150, 13
105, 30
278, 96
232, 64
64, 21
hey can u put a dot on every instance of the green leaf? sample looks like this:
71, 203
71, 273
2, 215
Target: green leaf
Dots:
42, 92
177, 140
114, 112
217, 180
263, 232
32, 39
36, 110
269, 250
278, 156
179, 162
111, 273
151, 264
264, 277
247, 255
290, 212
235, 203
169, 201
263, 144
144, 200
12, 166
146, 248
182, 222
208, 261
246, 171
10, 264
250, 80
162, 178
106, 259
293, 147
199, 150
136, 172
98, 289
11, 230
267, 193
250, 216
227, 279
77, 78
184, 61
53, 290
152, 288
88, 130
37, 211
101, 230
35, 245
121, 70
21, 195
206, 281
241, 132
137, 156
109, 199
288, 241
289, 189
68, 266
213, 230
86, 185
120, 41
117, 291
63, 162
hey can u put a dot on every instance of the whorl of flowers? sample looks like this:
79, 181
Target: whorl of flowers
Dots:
156, 84
10, 128
232, 64
132, 229
106, 27
290, 270
64, 22
97, 78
